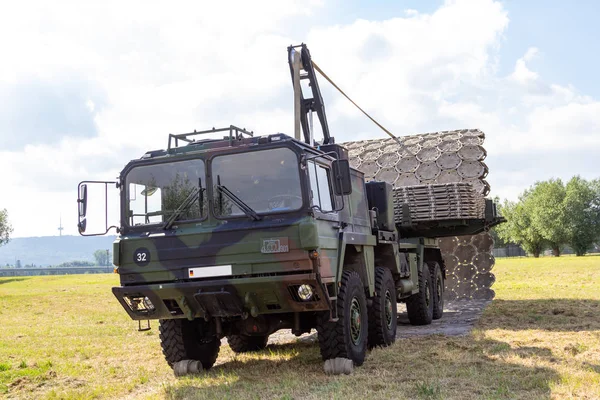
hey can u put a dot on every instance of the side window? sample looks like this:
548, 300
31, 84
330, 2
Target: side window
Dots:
314, 188
320, 186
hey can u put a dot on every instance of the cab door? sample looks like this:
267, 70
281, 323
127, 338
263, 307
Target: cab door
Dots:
325, 204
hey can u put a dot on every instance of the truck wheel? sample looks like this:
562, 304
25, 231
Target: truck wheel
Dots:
245, 343
182, 339
437, 280
348, 336
420, 306
383, 313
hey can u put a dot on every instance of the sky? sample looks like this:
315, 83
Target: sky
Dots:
87, 86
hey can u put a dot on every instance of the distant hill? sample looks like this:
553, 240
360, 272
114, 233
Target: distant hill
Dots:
53, 250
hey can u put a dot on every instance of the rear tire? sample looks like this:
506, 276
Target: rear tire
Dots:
437, 281
245, 343
420, 305
348, 336
182, 339
383, 313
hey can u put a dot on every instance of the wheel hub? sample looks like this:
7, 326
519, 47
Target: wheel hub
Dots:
355, 321
389, 311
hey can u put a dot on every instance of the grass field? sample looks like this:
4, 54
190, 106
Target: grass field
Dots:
67, 337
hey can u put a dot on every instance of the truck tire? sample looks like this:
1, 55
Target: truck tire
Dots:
437, 282
420, 305
348, 336
383, 313
245, 343
182, 339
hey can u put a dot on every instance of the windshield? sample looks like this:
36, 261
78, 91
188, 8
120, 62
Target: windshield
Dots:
155, 192
265, 181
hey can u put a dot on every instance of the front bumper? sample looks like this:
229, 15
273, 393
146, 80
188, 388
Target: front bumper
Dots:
221, 298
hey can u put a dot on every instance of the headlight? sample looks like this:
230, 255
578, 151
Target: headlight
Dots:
148, 304
305, 292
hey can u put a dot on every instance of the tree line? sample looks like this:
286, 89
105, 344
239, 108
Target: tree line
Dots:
551, 214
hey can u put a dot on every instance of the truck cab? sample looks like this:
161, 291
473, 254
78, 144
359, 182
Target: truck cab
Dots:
253, 211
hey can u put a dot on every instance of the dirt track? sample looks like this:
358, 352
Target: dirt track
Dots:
459, 318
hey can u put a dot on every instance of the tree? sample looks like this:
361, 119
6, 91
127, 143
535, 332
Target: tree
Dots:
547, 212
5, 227
71, 264
518, 228
582, 210
102, 257
498, 241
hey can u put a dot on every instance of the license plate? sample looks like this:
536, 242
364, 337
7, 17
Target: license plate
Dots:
208, 272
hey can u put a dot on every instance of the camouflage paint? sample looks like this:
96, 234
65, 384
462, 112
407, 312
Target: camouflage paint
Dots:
155, 263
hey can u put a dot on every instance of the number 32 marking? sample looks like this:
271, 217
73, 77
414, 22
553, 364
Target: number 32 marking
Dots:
141, 256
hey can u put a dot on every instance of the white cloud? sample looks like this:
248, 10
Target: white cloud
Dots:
195, 65
522, 74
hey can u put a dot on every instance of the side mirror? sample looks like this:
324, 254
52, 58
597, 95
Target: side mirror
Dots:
82, 200
82, 225
342, 184
96, 217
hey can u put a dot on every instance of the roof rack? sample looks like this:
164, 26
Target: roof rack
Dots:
234, 132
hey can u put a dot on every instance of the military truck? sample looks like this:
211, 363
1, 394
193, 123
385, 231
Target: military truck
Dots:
244, 235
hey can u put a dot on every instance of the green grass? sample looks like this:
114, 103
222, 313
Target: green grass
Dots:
67, 337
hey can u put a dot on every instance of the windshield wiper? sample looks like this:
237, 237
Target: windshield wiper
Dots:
182, 207
239, 202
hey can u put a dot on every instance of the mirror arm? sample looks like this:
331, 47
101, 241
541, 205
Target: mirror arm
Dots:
102, 233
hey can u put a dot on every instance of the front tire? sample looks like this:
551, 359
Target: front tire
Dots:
437, 280
348, 336
419, 306
245, 343
383, 313
182, 339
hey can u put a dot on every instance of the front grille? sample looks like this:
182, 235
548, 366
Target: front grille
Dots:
173, 306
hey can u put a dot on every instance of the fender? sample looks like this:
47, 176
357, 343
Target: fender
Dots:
361, 257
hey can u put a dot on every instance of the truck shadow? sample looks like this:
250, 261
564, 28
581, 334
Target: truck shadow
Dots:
557, 315
489, 368
294, 370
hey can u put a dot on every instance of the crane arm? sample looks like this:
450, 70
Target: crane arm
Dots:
302, 69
